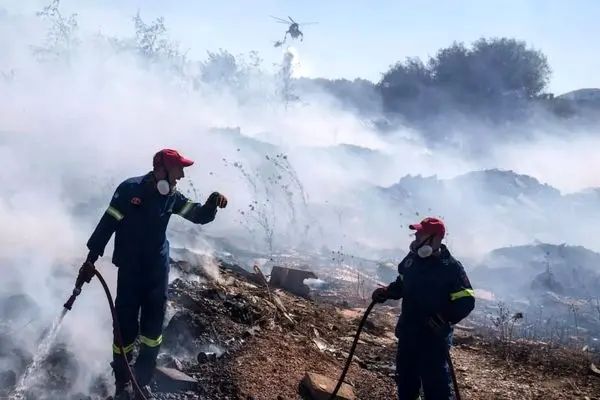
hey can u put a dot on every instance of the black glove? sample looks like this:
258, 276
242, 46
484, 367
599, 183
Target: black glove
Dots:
216, 199
380, 295
86, 273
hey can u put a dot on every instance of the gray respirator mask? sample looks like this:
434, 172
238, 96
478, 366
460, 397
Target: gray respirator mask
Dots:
425, 249
163, 186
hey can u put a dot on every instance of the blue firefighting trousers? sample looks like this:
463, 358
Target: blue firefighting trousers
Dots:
422, 362
148, 300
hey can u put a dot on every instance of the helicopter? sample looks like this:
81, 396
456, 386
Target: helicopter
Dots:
293, 30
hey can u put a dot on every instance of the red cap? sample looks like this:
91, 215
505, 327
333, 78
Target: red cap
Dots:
171, 157
430, 226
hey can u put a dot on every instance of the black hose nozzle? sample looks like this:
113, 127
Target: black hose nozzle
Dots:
85, 275
69, 304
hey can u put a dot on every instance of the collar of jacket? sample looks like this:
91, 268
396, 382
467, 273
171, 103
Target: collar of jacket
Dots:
444, 252
149, 184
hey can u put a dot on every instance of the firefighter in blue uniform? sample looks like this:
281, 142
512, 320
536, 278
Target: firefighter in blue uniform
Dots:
138, 214
436, 294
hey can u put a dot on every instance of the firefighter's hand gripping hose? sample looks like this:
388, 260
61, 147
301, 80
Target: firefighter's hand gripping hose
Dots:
352, 349
85, 275
88, 271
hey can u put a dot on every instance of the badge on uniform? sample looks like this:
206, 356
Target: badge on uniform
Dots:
136, 201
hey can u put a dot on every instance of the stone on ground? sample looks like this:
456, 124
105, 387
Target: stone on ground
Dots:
171, 380
320, 387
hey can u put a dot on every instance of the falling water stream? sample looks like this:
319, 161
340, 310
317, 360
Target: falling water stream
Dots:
40, 355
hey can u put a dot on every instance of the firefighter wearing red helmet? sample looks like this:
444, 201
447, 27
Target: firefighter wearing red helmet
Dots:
436, 294
138, 215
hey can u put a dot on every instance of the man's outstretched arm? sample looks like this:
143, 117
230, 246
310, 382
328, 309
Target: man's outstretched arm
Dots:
196, 212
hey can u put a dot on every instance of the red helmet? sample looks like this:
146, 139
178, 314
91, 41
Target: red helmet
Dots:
430, 226
171, 157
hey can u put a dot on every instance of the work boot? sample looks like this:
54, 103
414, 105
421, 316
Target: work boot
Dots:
146, 392
123, 391
122, 383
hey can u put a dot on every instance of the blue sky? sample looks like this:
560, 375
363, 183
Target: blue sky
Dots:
362, 38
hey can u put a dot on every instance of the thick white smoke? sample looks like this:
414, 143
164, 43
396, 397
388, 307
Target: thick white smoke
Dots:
298, 173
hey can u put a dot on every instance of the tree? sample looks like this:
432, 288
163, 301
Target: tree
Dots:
220, 68
61, 37
451, 73
507, 66
496, 72
490, 72
152, 46
152, 43
404, 83
359, 95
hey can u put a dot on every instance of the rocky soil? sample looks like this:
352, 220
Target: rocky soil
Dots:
239, 339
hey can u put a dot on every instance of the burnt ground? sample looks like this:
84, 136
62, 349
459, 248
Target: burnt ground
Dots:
259, 342
304, 335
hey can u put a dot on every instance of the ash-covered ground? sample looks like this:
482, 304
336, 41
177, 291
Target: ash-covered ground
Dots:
214, 323
235, 336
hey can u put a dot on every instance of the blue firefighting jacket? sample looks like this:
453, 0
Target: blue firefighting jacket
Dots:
431, 287
139, 215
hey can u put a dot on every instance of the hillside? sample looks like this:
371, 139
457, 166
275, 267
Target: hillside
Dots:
584, 94
523, 208
239, 339
496, 188
575, 267
307, 165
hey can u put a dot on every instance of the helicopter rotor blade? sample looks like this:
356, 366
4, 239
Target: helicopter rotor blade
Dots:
283, 22
279, 19
291, 19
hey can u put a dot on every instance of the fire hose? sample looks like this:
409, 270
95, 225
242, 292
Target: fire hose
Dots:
69, 304
138, 391
452, 373
353, 348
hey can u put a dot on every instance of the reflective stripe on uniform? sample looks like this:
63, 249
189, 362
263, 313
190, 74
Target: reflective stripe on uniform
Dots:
186, 208
462, 293
151, 342
113, 212
127, 348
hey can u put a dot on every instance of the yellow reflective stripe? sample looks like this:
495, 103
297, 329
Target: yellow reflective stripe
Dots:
151, 342
462, 293
113, 212
186, 208
127, 349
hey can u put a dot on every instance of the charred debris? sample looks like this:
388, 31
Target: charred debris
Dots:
283, 333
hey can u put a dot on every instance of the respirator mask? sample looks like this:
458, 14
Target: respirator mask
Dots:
425, 249
163, 185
